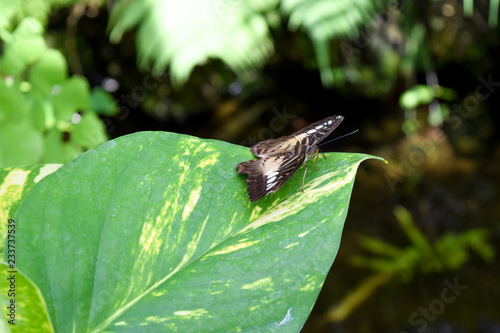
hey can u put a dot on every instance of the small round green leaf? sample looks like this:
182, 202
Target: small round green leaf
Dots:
25, 46
102, 102
417, 95
71, 96
51, 69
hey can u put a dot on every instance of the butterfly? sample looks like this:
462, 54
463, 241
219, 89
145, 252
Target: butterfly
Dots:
280, 158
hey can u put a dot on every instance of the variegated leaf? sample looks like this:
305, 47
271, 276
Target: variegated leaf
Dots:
29, 313
154, 232
15, 183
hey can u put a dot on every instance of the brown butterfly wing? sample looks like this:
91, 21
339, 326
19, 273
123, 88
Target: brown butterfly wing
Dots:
273, 147
267, 175
307, 137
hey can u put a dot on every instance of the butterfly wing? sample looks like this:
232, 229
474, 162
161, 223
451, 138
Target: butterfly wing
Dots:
273, 147
316, 132
267, 175
307, 137
281, 157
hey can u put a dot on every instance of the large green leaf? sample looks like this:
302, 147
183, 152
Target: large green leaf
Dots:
28, 312
15, 183
154, 232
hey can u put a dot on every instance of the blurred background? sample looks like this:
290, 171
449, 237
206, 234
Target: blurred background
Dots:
419, 79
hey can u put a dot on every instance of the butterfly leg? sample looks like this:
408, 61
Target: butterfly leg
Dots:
316, 160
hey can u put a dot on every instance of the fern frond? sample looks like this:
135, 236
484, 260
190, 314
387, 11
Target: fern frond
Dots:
326, 19
183, 34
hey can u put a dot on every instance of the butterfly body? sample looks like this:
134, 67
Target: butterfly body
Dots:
280, 158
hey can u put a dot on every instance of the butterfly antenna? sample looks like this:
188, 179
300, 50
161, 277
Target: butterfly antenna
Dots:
322, 153
340, 137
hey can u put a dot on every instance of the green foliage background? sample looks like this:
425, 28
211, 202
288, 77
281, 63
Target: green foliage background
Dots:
45, 115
